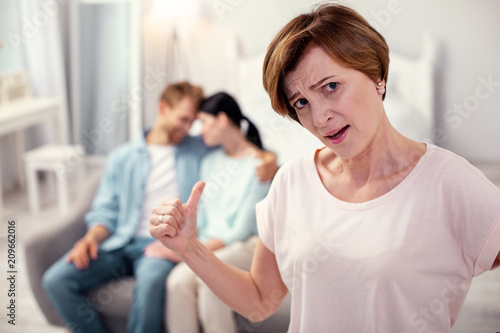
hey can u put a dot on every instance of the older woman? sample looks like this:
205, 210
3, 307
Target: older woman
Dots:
372, 233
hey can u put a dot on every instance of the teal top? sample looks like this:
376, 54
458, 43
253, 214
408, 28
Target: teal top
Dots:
227, 207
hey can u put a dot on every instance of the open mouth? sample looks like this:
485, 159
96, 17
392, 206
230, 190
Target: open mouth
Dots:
339, 133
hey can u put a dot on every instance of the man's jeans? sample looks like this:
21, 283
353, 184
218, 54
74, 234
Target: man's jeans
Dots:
67, 287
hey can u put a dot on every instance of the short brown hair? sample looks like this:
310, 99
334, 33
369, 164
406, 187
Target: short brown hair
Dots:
344, 34
175, 92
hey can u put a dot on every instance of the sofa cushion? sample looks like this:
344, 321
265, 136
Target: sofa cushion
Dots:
113, 298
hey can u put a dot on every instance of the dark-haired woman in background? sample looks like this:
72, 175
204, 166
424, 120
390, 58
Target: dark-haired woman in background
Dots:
226, 215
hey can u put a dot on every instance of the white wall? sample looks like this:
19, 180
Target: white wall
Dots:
9, 60
469, 54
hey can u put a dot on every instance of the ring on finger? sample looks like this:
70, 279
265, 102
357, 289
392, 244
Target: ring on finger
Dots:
161, 219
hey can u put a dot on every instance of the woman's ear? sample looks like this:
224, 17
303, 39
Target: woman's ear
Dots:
380, 86
222, 118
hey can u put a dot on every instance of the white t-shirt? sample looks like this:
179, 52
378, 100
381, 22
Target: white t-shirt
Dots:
162, 183
402, 262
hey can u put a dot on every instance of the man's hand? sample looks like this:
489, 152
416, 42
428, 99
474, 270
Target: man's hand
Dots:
269, 166
178, 226
86, 248
83, 251
157, 250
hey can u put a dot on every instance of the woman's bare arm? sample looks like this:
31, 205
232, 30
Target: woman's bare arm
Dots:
256, 294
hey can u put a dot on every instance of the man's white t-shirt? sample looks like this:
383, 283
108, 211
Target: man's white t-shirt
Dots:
162, 183
402, 262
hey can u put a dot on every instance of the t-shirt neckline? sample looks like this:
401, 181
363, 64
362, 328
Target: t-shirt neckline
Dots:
332, 200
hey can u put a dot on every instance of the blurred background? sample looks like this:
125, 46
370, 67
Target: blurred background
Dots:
109, 60
90, 73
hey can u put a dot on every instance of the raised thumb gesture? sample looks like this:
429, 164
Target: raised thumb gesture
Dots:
191, 206
174, 223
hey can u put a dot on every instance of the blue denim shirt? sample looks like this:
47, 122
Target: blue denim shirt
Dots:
118, 201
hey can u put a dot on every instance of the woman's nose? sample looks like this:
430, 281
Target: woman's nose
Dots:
321, 114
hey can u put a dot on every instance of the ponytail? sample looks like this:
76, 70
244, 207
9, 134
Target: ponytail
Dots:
252, 134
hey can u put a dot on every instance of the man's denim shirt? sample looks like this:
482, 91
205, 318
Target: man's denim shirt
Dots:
118, 201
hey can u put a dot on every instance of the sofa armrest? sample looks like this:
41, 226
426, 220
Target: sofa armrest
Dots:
46, 247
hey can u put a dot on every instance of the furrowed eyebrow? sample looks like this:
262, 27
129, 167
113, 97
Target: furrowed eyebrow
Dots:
312, 87
293, 96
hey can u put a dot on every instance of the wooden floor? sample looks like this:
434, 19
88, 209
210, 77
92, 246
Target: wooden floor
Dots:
480, 313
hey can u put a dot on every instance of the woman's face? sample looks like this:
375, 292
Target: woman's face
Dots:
211, 130
339, 105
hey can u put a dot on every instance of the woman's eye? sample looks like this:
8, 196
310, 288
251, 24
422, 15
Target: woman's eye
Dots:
331, 86
300, 103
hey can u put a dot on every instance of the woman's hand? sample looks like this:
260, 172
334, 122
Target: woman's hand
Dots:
178, 226
157, 250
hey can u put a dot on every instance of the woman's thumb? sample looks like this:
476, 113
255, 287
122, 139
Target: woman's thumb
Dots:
194, 198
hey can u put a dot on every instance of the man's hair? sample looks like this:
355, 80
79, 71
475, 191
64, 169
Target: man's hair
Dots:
341, 32
175, 92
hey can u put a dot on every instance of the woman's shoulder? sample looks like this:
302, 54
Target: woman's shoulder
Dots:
442, 158
456, 169
296, 167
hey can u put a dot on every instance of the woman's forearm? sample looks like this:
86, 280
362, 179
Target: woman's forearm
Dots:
233, 286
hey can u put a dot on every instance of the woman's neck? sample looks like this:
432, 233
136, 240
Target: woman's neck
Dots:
235, 144
384, 157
